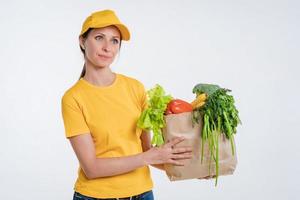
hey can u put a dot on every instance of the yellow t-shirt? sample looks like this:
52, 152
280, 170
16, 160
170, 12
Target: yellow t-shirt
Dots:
110, 115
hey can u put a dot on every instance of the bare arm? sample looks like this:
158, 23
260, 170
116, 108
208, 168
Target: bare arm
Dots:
93, 167
146, 143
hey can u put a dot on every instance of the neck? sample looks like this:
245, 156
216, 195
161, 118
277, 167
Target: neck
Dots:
99, 76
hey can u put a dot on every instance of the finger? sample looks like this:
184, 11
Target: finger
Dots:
182, 150
182, 156
175, 141
176, 163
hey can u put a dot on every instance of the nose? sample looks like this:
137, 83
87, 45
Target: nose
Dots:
106, 46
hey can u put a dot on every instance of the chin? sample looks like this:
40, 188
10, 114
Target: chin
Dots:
102, 65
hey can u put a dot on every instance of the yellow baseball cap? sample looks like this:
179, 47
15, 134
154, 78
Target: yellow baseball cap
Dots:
102, 19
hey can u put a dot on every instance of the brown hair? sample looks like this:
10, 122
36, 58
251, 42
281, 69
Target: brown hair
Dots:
84, 36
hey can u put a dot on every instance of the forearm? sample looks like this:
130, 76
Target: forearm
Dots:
104, 167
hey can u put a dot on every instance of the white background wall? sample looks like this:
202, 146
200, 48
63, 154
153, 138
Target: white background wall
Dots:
250, 47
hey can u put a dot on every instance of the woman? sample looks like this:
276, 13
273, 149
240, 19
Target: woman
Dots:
100, 112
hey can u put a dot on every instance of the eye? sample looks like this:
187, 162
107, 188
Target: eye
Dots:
115, 41
99, 37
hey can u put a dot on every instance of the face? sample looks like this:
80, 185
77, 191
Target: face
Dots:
101, 46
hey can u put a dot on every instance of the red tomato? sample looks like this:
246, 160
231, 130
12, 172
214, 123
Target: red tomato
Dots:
180, 106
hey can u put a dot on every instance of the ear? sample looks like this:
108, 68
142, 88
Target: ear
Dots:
81, 42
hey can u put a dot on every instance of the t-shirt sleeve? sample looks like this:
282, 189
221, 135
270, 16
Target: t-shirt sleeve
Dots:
73, 118
144, 101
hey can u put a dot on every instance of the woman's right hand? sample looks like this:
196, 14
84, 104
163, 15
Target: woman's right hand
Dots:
168, 154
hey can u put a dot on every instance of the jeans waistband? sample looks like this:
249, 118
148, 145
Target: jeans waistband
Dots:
78, 196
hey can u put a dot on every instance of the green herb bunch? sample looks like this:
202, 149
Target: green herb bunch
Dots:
219, 116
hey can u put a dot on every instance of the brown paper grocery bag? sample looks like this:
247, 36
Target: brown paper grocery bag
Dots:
181, 125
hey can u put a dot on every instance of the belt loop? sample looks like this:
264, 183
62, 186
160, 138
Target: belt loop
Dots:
130, 198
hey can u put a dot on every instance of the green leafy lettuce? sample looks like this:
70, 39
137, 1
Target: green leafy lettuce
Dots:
152, 118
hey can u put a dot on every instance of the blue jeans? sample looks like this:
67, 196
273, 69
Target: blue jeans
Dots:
144, 196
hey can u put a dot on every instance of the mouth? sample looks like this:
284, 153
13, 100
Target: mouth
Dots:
104, 57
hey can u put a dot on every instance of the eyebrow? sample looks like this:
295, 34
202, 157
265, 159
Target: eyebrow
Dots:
116, 36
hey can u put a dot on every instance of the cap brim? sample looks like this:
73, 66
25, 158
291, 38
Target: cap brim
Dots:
124, 31
122, 28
